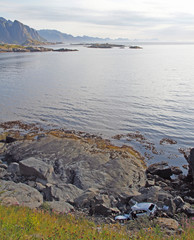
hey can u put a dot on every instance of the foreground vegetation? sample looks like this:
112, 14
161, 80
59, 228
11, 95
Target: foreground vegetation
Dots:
23, 223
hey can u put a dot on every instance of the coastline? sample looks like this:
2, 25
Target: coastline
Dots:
7, 48
75, 171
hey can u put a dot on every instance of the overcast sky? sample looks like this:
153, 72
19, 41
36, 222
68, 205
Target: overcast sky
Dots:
166, 20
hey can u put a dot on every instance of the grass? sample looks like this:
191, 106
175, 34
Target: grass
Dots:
10, 46
23, 223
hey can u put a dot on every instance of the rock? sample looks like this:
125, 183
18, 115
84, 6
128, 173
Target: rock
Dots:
161, 169
85, 173
161, 184
40, 187
191, 164
2, 147
65, 192
184, 208
176, 170
150, 183
124, 198
10, 139
61, 206
189, 199
4, 166
97, 203
104, 210
84, 200
42, 181
168, 224
152, 194
84, 164
101, 205
172, 207
189, 212
184, 187
102, 199
22, 193
178, 201
37, 168
31, 184
8, 201
3, 172
14, 168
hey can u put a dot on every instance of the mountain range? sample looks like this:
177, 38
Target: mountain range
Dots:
18, 33
56, 36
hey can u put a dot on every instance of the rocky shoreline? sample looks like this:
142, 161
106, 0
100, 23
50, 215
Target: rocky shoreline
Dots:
73, 171
5, 48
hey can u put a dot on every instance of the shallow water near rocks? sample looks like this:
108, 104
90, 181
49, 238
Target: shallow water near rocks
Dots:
144, 92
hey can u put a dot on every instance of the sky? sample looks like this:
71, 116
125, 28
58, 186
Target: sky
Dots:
164, 20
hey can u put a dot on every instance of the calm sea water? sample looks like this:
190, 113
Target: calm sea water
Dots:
106, 92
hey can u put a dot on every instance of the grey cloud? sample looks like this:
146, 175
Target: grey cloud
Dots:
111, 18
180, 33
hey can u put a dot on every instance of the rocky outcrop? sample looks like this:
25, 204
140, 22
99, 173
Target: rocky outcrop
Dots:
72, 171
105, 45
76, 171
17, 48
84, 165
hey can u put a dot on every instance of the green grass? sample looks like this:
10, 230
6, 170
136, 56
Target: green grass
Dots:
23, 223
10, 46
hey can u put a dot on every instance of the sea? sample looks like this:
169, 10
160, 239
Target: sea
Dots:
143, 98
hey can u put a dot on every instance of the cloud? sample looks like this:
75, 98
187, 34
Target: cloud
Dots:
109, 18
130, 20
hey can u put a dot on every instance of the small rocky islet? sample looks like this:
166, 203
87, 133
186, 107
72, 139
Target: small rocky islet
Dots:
78, 172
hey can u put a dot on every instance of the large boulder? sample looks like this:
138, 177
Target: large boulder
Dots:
191, 164
14, 168
62, 192
168, 225
20, 193
36, 168
85, 199
161, 169
104, 210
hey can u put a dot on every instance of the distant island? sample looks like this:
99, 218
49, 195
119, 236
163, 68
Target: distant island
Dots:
135, 47
19, 48
105, 45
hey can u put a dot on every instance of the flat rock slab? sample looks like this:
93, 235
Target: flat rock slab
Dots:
20, 193
81, 162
